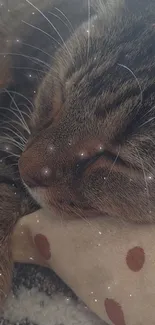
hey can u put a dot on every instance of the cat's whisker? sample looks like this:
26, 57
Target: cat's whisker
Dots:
27, 108
22, 118
18, 117
11, 140
54, 15
62, 13
14, 109
20, 95
37, 48
139, 85
46, 18
24, 113
12, 154
150, 110
42, 31
14, 165
26, 68
12, 122
15, 133
81, 215
6, 136
149, 121
70, 24
31, 58
20, 113
50, 36
18, 134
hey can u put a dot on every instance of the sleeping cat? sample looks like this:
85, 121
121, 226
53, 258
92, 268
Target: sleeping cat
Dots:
77, 111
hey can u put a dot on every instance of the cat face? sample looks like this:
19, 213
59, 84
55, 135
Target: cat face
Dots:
92, 143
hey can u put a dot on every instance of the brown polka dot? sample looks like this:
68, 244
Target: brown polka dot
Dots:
135, 259
43, 246
114, 312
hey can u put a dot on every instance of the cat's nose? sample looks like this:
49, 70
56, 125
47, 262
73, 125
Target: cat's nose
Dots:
33, 171
43, 166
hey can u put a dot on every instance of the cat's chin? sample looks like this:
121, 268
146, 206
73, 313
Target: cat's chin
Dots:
65, 210
37, 194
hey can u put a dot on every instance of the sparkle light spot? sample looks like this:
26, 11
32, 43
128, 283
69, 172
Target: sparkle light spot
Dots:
88, 31
30, 75
33, 13
34, 91
83, 154
17, 40
68, 299
96, 300
109, 288
100, 233
51, 148
31, 258
46, 172
92, 293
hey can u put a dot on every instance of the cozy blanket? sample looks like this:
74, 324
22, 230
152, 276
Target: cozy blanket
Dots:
39, 297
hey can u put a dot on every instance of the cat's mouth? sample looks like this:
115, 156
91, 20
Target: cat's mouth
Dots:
65, 208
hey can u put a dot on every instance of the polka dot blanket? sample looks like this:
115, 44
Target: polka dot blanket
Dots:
109, 265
